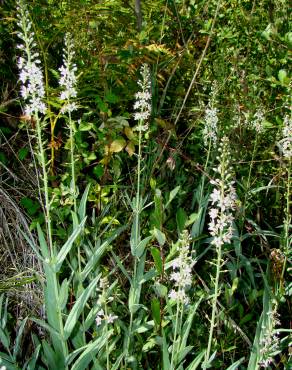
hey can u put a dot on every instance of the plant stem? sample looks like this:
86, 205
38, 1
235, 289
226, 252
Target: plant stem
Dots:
136, 221
173, 354
42, 160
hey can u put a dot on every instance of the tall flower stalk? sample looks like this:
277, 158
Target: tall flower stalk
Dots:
182, 277
286, 148
142, 107
68, 83
222, 200
33, 93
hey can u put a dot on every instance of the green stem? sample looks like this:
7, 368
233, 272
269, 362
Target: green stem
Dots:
214, 305
287, 222
137, 212
173, 354
42, 160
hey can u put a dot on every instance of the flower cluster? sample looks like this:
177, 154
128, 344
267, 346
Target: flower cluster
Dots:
269, 343
182, 271
286, 142
142, 104
101, 316
223, 199
257, 122
210, 127
103, 299
68, 78
30, 73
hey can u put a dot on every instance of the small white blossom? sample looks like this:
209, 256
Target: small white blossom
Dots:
111, 318
68, 79
210, 127
223, 199
286, 142
269, 341
182, 271
30, 74
257, 122
142, 105
108, 319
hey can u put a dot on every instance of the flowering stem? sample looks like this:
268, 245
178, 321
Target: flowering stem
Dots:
249, 176
174, 347
214, 304
73, 180
287, 222
217, 277
42, 159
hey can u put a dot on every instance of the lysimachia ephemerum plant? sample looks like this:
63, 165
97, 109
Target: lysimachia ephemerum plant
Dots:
68, 82
181, 278
142, 113
222, 201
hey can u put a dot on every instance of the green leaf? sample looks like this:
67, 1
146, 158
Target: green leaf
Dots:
68, 245
86, 126
51, 330
196, 362
22, 153
157, 259
30, 205
89, 353
78, 307
159, 235
63, 294
43, 243
82, 206
282, 76
172, 195
98, 171
139, 250
235, 365
51, 358
166, 362
155, 308
99, 251
17, 344
5, 340
181, 219
111, 97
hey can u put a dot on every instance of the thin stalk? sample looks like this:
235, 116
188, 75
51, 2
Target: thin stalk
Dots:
214, 305
287, 222
217, 277
174, 338
42, 160
106, 328
205, 170
249, 174
72, 158
137, 230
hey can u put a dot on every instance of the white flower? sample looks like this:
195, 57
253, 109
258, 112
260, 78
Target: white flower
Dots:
286, 142
111, 318
182, 271
142, 105
210, 127
223, 197
30, 74
98, 320
257, 123
68, 79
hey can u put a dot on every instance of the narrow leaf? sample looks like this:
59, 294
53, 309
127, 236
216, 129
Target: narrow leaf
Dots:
67, 246
78, 307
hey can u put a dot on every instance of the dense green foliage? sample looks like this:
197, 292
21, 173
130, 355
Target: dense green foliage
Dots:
95, 208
